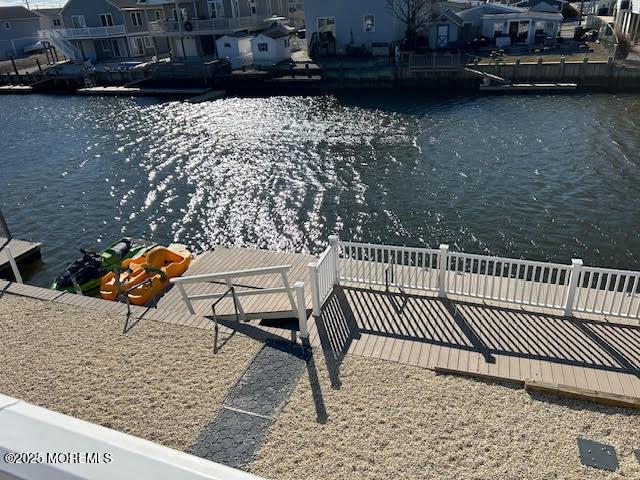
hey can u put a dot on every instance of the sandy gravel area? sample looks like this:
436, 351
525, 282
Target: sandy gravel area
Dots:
391, 421
160, 382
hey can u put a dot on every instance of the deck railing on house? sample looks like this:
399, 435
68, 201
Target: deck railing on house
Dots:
569, 288
212, 25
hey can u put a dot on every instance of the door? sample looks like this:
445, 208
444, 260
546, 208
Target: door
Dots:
138, 46
442, 37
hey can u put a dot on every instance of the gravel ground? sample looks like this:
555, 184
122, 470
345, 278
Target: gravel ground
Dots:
160, 382
391, 421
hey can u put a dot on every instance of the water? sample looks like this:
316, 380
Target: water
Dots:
547, 178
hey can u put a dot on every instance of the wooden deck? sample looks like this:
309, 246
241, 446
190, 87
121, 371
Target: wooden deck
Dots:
22, 251
446, 335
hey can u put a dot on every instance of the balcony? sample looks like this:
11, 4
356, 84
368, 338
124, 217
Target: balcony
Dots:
212, 26
92, 32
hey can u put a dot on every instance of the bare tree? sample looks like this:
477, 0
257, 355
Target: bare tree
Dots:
413, 14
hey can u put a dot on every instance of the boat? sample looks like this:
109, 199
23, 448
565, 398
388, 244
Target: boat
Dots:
85, 273
147, 276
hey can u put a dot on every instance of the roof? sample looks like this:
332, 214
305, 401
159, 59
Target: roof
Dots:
126, 3
448, 15
531, 14
279, 31
48, 12
16, 13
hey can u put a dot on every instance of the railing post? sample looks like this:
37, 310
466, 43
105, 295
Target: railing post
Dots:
14, 265
186, 299
334, 243
315, 288
443, 255
576, 268
302, 310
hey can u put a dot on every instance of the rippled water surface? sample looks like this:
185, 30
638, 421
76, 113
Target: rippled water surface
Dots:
546, 178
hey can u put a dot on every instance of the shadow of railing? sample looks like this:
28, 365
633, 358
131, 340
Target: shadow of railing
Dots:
487, 330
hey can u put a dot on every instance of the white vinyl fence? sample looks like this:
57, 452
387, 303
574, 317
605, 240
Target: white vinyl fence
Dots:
570, 288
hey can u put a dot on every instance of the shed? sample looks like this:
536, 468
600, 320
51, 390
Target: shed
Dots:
445, 30
236, 48
272, 46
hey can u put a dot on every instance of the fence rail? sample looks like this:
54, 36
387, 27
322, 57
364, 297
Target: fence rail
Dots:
570, 288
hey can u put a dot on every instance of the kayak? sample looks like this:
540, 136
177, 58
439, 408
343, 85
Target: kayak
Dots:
147, 276
86, 272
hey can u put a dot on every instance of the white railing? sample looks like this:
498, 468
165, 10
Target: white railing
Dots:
61, 43
213, 25
402, 267
570, 288
295, 294
324, 275
92, 32
608, 292
508, 280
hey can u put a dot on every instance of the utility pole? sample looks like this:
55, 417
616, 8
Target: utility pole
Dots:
27, 2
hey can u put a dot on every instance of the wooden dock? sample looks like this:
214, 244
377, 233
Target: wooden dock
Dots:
510, 344
15, 89
141, 91
529, 87
22, 251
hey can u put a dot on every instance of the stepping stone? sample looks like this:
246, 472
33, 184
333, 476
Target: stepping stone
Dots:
597, 455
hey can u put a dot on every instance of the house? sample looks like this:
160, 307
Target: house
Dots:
542, 5
18, 29
235, 47
627, 19
509, 25
445, 31
50, 18
354, 26
106, 30
272, 46
192, 27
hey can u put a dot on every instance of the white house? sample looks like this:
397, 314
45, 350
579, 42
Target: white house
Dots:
236, 48
272, 46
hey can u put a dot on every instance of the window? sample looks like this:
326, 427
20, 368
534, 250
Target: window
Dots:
227, 45
216, 8
105, 45
147, 42
78, 21
158, 15
57, 22
263, 47
137, 46
106, 20
184, 15
136, 19
369, 23
7, 26
286, 43
327, 24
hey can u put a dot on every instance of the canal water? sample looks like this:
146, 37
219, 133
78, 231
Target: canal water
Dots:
538, 177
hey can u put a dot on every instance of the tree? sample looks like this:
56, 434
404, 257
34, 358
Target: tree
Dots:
413, 14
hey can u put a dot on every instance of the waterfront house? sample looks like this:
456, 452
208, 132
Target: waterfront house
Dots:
107, 30
50, 18
507, 25
192, 27
18, 29
353, 27
236, 48
627, 19
272, 46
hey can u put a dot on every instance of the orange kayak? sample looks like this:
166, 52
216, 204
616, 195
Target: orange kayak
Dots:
147, 276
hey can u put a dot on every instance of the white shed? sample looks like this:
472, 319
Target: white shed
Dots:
272, 46
235, 48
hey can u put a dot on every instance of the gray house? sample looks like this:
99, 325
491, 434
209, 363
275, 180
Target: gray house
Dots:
18, 29
343, 27
191, 27
106, 30
50, 18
